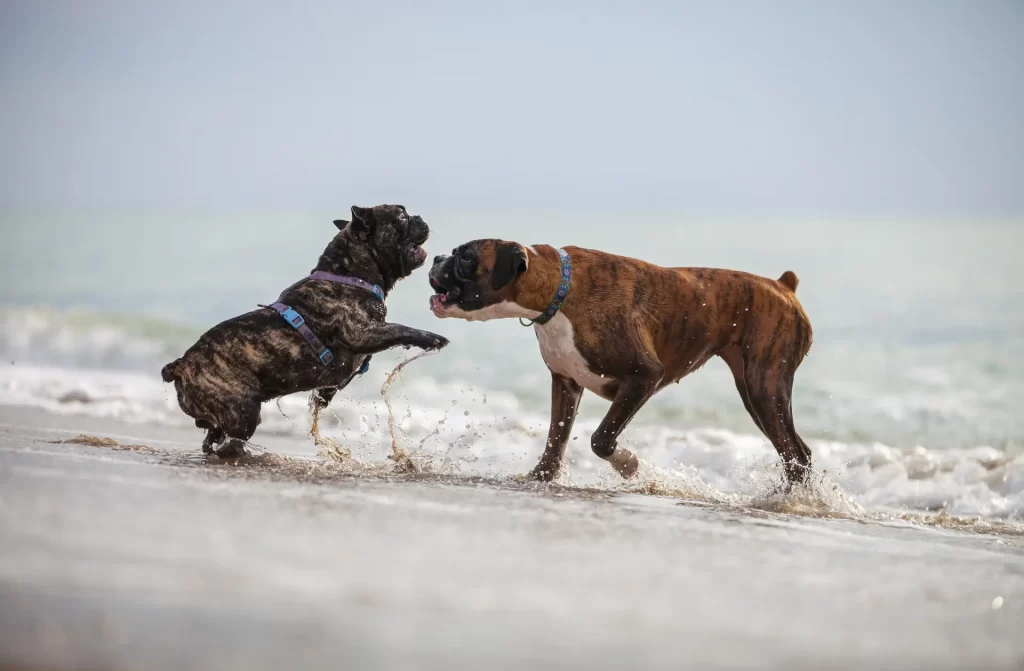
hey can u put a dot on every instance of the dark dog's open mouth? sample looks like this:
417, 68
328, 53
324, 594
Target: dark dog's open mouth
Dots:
418, 255
417, 235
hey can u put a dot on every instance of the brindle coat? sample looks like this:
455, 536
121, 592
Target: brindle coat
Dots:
640, 327
255, 357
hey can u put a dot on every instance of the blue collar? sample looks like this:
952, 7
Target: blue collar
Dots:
563, 290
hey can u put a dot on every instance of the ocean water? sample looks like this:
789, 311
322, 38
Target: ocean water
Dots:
909, 399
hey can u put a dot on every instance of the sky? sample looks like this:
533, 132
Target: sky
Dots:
853, 109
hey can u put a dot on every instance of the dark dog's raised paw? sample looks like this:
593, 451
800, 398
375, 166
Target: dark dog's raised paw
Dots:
432, 341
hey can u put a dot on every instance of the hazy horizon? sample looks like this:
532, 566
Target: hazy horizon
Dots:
844, 110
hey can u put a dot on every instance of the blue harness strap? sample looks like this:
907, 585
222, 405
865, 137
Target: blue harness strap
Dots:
296, 321
299, 324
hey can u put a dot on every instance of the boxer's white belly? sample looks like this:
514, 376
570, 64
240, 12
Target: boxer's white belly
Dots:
558, 348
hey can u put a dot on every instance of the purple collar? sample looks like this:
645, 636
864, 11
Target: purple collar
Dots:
374, 289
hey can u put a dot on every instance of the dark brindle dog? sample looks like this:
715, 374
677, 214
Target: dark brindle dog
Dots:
319, 335
625, 329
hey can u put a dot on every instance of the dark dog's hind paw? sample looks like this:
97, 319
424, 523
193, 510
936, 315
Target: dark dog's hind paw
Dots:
213, 437
232, 449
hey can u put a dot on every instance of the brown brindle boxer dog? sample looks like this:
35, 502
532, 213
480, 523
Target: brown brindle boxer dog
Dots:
625, 329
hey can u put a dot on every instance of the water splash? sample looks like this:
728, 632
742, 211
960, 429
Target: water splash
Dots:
398, 455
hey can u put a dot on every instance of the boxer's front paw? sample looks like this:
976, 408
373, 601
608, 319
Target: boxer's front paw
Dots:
544, 472
624, 462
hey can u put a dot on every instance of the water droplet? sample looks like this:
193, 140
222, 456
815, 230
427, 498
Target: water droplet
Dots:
466, 413
561, 424
997, 603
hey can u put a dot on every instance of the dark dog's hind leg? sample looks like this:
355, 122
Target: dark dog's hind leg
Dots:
214, 436
239, 428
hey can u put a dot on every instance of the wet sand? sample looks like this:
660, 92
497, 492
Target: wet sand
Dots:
152, 557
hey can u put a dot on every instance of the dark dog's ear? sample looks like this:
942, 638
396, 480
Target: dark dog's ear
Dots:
509, 262
341, 224
361, 218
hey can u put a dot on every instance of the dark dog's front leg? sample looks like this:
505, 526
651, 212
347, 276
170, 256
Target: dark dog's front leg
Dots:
565, 401
323, 396
374, 337
633, 392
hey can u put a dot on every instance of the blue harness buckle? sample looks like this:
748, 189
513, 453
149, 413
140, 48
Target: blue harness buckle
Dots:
296, 321
378, 292
293, 318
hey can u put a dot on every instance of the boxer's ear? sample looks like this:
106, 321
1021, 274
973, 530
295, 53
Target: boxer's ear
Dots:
510, 261
341, 224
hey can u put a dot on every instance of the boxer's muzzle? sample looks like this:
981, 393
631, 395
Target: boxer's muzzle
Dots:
447, 287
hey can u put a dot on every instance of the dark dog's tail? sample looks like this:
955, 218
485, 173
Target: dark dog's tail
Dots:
170, 372
789, 280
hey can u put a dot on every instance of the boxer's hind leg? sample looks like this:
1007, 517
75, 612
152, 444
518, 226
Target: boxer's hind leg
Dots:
565, 402
767, 391
733, 356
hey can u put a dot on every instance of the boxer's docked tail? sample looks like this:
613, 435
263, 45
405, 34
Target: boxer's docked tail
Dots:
789, 280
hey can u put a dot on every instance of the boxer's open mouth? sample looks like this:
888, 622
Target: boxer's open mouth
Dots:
441, 303
443, 299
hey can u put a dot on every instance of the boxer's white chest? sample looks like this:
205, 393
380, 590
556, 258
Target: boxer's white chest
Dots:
558, 348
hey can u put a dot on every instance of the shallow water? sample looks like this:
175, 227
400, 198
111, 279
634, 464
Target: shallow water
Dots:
158, 557
908, 399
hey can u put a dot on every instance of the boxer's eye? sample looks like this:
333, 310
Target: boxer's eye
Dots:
463, 268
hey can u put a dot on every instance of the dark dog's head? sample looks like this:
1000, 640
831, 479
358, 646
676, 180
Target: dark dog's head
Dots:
477, 282
384, 239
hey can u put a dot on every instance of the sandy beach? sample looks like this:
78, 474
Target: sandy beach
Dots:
148, 556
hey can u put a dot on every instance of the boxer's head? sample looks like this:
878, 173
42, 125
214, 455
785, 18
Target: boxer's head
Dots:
477, 282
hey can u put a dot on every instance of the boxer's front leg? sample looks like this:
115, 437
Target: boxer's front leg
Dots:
565, 401
633, 392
